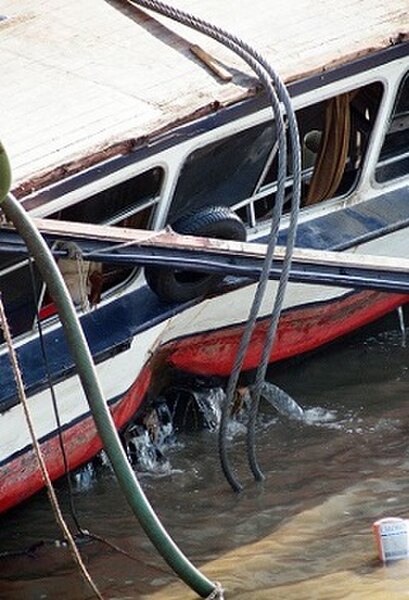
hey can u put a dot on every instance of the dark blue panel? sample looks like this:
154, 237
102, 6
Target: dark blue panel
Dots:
108, 330
350, 226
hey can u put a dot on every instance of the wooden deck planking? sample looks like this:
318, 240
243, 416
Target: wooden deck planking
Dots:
80, 76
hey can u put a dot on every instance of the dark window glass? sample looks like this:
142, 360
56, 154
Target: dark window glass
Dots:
20, 293
394, 157
224, 172
110, 205
8, 260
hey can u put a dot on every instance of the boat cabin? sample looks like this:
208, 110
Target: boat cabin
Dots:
113, 118
352, 108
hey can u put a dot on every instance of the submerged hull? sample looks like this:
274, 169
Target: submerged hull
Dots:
201, 352
167, 154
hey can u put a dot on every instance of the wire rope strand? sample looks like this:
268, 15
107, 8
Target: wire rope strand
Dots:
73, 510
255, 60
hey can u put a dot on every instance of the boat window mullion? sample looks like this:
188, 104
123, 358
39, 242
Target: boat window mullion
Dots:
392, 160
266, 168
151, 202
252, 218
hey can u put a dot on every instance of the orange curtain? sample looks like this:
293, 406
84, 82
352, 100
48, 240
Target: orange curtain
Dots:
333, 151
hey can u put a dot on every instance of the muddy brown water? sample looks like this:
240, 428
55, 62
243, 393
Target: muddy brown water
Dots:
304, 533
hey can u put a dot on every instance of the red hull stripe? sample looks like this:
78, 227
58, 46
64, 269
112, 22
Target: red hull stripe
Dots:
300, 330
210, 353
21, 478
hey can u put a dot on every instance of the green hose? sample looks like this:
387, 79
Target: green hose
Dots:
5, 173
86, 370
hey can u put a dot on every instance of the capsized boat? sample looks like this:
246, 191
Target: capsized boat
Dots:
115, 117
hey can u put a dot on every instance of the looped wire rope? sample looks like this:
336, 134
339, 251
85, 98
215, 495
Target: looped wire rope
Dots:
276, 93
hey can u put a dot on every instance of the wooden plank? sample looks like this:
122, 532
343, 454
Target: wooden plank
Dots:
211, 62
169, 239
133, 247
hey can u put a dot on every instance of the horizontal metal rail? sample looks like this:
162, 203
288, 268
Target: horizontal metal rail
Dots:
166, 248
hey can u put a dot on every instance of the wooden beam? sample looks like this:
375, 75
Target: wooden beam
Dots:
168, 249
167, 238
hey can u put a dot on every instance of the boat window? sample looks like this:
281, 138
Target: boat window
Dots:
130, 203
394, 156
241, 171
223, 172
134, 198
334, 136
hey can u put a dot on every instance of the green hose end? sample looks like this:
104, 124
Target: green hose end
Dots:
5, 173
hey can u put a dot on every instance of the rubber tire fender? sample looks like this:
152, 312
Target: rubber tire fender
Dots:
172, 285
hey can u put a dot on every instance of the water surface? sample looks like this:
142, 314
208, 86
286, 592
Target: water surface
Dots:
303, 533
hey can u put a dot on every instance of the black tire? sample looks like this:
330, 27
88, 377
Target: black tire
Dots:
181, 286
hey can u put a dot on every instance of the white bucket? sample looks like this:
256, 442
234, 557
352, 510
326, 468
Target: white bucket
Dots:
392, 538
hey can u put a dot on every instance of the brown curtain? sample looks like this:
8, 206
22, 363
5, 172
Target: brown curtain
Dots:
333, 152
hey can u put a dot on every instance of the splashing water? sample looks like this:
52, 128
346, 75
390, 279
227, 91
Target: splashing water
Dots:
209, 403
321, 417
84, 477
146, 443
143, 452
149, 452
402, 326
283, 403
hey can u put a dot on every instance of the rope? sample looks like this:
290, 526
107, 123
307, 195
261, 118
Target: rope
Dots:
276, 92
39, 456
81, 355
54, 401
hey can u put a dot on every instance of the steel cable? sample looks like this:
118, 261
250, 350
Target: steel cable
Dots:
276, 93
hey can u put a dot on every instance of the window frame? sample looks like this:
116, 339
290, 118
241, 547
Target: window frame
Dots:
397, 89
151, 202
263, 191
